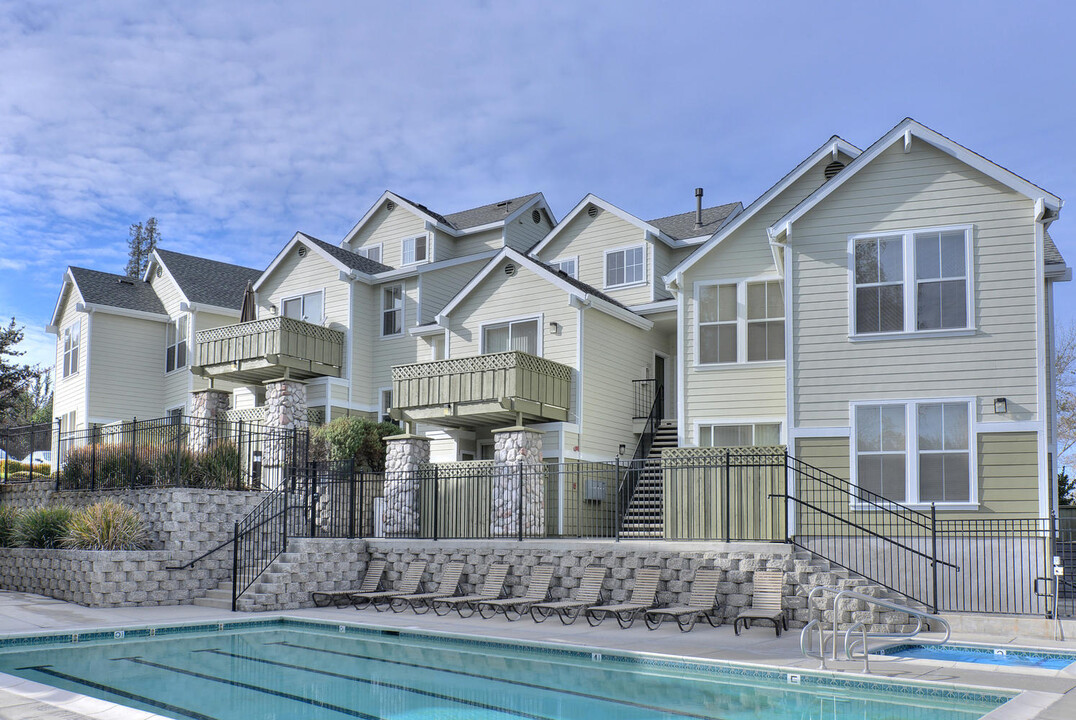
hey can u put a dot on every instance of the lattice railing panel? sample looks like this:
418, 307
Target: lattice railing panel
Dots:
482, 363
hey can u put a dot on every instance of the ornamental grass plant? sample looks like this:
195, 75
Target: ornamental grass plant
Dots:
42, 527
107, 525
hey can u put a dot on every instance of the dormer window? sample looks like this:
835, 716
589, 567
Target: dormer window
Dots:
415, 250
371, 252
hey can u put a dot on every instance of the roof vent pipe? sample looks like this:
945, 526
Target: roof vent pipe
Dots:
698, 207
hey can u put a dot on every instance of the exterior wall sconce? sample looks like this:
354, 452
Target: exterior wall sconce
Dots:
554, 327
1001, 406
623, 449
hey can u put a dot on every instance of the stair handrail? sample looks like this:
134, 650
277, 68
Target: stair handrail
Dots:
642, 450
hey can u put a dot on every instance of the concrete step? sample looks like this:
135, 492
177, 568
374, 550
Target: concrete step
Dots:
214, 602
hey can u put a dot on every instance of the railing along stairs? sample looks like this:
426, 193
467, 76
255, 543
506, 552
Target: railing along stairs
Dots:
856, 636
638, 464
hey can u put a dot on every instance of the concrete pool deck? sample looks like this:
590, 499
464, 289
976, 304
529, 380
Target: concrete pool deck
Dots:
1049, 694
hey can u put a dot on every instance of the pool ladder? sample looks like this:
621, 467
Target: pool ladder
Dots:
857, 636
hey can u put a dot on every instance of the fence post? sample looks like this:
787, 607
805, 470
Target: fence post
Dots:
934, 557
312, 495
616, 500
94, 430
239, 454
519, 510
134, 455
235, 565
362, 506
351, 498
727, 500
31, 451
1051, 607
788, 507
436, 504
284, 524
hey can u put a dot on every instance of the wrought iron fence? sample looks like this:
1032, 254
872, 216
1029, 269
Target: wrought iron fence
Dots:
258, 540
178, 451
643, 395
22, 447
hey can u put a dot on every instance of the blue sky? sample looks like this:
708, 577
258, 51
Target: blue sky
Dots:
236, 125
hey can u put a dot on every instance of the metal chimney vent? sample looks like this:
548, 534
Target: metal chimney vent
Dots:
833, 168
698, 208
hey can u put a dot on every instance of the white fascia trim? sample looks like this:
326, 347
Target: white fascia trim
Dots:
155, 259
903, 132
69, 282
1020, 426
592, 199
400, 203
202, 307
313, 247
122, 312
413, 270
1058, 272
426, 330
654, 307
819, 432
1047, 499
681, 396
835, 144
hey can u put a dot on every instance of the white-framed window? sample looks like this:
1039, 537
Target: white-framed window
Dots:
72, 340
177, 337
392, 310
437, 347
912, 281
67, 441
568, 266
739, 321
523, 335
175, 415
915, 452
386, 405
415, 250
308, 307
370, 252
760, 434
626, 266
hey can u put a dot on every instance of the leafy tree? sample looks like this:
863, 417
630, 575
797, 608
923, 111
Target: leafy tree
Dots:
33, 404
14, 378
140, 245
1066, 489
1065, 388
353, 437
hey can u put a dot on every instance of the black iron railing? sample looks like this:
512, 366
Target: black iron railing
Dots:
178, 451
643, 397
258, 540
638, 465
22, 446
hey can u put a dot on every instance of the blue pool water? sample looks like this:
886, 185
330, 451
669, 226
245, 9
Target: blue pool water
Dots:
291, 669
1015, 657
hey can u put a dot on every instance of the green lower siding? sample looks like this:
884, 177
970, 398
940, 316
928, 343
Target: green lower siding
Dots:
1007, 476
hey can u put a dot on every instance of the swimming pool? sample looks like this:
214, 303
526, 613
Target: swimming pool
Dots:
983, 655
302, 669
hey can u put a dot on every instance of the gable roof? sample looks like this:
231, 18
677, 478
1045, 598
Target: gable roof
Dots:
462, 222
1051, 255
831, 147
682, 226
118, 291
592, 199
343, 260
570, 285
905, 130
207, 282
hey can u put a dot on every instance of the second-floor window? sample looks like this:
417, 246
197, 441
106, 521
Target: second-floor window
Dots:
307, 308
741, 322
911, 281
392, 310
765, 321
415, 250
372, 252
175, 353
568, 266
521, 335
625, 267
757, 434
72, 339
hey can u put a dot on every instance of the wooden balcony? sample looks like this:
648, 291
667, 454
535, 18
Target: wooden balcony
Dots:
260, 350
500, 388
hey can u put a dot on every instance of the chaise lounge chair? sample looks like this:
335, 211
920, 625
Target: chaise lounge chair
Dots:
642, 599
537, 591
409, 583
701, 603
589, 593
371, 581
492, 588
420, 602
765, 602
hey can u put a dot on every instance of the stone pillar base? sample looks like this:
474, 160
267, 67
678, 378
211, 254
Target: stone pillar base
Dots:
404, 455
208, 408
518, 502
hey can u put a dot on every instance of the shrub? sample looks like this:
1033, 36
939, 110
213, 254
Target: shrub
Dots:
107, 525
215, 467
353, 437
9, 516
42, 527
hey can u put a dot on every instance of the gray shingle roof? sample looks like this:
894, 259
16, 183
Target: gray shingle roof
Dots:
590, 289
682, 226
486, 214
353, 261
209, 282
1051, 255
120, 291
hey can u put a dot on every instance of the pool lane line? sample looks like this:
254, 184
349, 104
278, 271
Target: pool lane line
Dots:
256, 688
47, 670
380, 683
520, 683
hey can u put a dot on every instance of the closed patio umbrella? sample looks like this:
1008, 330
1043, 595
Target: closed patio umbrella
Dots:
249, 311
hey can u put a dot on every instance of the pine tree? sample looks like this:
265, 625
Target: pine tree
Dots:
13, 378
140, 245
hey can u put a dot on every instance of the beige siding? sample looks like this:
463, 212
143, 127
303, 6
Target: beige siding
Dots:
900, 191
524, 233
440, 286
608, 399
126, 366
69, 394
389, 229
385, 352
502, 298
297, 276
1007, 471
470, 244
665, 259
588, 238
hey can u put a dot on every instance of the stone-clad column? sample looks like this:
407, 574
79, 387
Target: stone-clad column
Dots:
285, 404
404, 455
207, 413
514, 446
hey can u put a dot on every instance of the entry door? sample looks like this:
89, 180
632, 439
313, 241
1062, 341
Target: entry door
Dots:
659, 379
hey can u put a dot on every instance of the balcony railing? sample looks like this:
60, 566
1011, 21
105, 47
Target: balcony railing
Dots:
262, 350
485, 389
